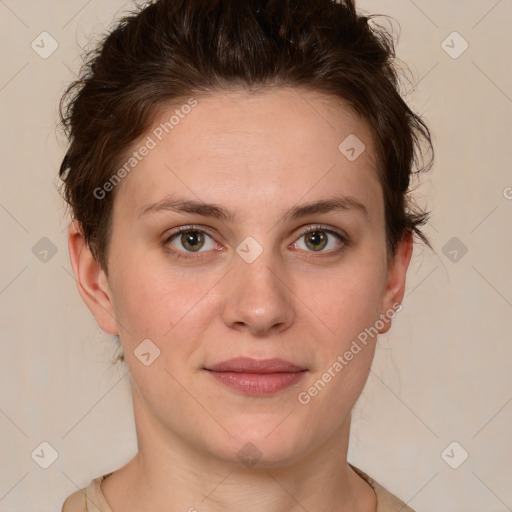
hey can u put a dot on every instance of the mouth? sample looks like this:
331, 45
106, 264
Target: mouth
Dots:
257, 377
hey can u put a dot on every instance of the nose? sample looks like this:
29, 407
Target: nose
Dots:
258, 299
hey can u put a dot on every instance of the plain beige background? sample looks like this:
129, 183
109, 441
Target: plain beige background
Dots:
441, 375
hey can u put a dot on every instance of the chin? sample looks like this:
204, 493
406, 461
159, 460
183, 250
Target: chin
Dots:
266, 444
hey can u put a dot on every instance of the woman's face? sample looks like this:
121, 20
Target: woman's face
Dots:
249, 283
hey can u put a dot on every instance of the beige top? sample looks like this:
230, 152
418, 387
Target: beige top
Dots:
91, 498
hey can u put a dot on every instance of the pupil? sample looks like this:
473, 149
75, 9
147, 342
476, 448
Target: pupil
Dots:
317, 238
191, 239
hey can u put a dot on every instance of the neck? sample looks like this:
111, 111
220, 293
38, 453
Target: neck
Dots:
170, 473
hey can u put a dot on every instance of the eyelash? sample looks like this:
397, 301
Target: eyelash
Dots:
317, 227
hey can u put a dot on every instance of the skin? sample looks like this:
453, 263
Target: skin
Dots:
258, 155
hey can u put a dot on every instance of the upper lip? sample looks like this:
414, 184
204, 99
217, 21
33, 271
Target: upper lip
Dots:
249, 365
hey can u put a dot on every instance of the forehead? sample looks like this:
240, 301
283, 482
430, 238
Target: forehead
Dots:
254, 146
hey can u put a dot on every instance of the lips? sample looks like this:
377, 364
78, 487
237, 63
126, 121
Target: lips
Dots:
257, 376
249, 365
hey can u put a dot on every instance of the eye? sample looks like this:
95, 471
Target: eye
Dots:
190, 240
318, 238
187, 240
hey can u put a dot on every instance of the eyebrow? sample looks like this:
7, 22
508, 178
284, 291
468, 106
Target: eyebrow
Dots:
178, 205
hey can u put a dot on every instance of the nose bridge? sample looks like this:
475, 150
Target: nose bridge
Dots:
256, 259
262, 274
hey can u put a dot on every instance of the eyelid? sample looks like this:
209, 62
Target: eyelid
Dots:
327, 229
190, 227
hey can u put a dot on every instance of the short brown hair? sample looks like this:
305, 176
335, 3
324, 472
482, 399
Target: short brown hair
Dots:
172, 49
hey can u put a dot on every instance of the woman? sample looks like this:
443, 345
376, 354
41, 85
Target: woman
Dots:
238, 175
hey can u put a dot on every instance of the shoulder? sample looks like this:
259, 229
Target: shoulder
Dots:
91, 498
88, 499
386, 502
75, 502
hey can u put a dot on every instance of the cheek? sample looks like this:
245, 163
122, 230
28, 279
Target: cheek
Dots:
346, 301
349, 307
142, 295
159, 301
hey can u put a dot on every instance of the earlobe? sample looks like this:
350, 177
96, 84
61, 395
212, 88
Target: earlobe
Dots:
395, 287
91, 280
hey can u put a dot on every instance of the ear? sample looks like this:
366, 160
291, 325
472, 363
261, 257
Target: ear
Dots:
91, 280
395, 286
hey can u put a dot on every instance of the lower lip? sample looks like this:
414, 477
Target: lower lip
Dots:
258, 383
